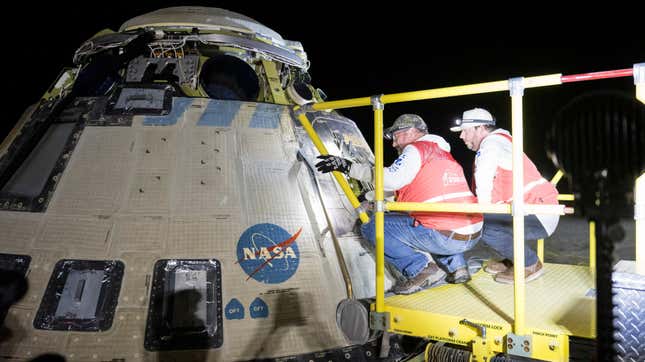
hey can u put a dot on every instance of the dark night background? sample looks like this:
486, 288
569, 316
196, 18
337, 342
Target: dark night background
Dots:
363, 51
359, 49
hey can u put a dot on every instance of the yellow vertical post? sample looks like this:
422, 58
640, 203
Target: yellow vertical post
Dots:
516, 87
592, 249
379, 217
639, 215
639, 81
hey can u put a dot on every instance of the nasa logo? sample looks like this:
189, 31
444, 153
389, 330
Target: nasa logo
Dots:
268, 253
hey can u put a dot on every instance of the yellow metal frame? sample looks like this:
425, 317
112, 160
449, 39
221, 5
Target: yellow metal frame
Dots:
554, 348
277, 93
450, 329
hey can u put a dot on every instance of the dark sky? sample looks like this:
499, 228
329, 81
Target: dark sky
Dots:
362, 51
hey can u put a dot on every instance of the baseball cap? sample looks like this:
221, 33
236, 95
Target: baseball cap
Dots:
405, 121
473, 117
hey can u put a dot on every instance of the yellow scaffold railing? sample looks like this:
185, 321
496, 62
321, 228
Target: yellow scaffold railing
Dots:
518, 208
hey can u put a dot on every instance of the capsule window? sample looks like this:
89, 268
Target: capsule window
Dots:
230, 78
81, 296
185, 309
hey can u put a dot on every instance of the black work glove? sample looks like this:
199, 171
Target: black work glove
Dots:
331, 163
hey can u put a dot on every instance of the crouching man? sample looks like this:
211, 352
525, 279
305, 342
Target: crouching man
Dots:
493, 176
424, 171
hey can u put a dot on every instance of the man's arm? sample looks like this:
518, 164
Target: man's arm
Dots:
403, 170
486, 162
400, 173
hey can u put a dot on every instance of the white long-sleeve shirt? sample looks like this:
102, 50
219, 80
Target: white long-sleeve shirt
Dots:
403, 171
493, 152
497, 152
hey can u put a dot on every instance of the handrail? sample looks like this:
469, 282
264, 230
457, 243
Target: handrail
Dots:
518, 209
379, 216
478, 88
516, 87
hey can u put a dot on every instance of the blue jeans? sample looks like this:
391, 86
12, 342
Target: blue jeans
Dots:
498, 234
405, 245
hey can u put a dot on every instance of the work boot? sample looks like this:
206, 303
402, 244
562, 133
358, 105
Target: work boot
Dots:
428, 275
498, 266
531, 272
459, 276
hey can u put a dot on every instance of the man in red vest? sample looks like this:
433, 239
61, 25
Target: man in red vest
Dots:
493, 184
425, 171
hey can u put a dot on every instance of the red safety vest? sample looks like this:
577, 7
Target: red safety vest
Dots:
537, 190
440, 179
